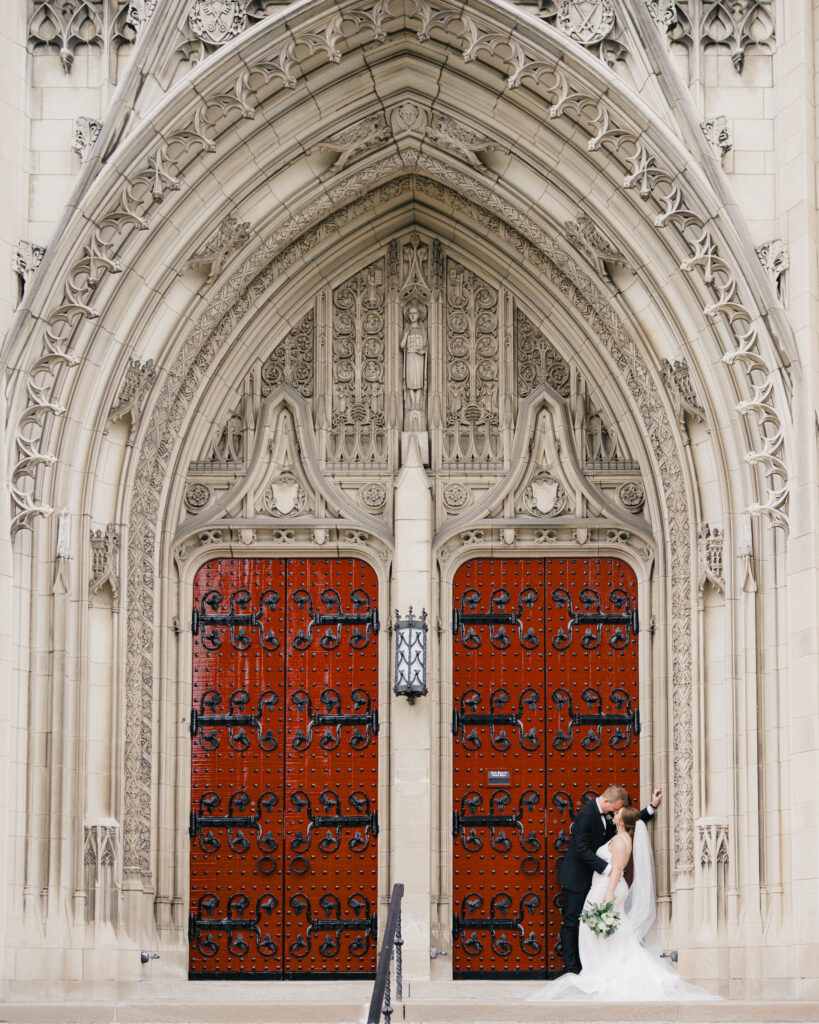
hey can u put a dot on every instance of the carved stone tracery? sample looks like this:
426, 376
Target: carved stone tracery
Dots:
538, 362
740, 26
358, 436
292, 362
472, 424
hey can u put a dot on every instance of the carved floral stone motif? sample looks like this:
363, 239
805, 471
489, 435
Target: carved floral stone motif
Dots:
373, 497
217, 21
358, 437
664, 12
472, 434
774, 258
197, 496
632, 496
139, 13
538, 362
718, 133
85, 132
456, 496
26, 260
292, 361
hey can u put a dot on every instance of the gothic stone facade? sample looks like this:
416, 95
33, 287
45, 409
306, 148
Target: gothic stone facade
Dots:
413, 284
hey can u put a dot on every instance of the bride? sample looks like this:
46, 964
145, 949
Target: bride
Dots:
628, 960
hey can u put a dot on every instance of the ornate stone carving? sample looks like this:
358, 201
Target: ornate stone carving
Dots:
538, 362
139, 378
602, 448
69, 24
27, 258
586, 21
711, 542
373, 497
216, 22
664, 12
632, 496
197, 497
738, 25
589, 239
285, 497
456, 497
774, 258
228, 238
415, 293
139, 13
544, 496
225, 450
677, 379
104, 561
718, 134
100, 857
406, 120
472, 434
292, 361
358, 437
85, 132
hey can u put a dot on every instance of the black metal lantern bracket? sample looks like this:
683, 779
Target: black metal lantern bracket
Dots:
410, 655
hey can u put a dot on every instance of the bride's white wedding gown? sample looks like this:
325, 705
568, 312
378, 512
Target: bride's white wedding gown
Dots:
619, 967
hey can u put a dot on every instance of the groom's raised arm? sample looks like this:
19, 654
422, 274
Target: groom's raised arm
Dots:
650, 809
584, 843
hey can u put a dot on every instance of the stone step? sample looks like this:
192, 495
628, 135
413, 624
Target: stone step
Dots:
487, 1007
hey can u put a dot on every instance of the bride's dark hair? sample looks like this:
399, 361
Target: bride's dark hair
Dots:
631, 816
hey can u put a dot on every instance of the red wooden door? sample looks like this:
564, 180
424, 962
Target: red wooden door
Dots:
545, 716
284, 769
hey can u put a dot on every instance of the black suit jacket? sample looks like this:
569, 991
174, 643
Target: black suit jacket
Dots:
581, 860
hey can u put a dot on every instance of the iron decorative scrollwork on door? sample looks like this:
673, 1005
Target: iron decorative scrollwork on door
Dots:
284, 788
545, 716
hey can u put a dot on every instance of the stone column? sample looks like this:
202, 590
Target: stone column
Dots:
411, 805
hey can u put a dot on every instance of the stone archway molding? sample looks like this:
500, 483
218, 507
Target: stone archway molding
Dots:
531, 54
219, 323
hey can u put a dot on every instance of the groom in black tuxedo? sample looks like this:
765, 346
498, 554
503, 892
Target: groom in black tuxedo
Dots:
592, 827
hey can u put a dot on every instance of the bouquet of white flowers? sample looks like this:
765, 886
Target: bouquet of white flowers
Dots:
601, 919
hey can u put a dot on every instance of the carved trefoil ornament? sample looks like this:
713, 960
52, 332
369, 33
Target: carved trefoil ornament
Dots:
139, 377
774, 258
216, 22
677, 377
292, 361
718, 134
104, 561
84, 134
26, 260
229, 237
710, 551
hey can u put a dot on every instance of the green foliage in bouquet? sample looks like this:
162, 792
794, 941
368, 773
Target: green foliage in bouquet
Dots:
601, 918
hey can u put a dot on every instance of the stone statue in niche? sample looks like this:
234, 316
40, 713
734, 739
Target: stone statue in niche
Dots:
414, 345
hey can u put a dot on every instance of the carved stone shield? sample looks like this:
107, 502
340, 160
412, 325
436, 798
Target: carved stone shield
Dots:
217, 21
587, 21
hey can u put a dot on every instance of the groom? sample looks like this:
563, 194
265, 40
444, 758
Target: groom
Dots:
590, 830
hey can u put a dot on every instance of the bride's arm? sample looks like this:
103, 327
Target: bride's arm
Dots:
620, 853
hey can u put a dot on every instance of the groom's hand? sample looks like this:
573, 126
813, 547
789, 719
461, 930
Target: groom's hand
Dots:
657, 797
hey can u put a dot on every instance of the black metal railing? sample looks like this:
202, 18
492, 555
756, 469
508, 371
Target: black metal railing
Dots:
390, 949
